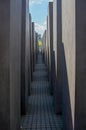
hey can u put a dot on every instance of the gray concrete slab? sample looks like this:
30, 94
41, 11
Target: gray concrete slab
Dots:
74, 39
23, 33
32, 45
50, 42
30, 18
29, 69
57, 55
47, 45
25, 57
35, 47
44, 46
10, 65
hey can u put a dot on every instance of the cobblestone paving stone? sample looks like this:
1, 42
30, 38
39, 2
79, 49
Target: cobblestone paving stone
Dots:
41, 115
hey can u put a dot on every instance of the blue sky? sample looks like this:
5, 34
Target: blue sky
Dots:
38, 10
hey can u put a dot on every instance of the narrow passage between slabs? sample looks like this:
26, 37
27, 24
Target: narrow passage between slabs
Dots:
41, 115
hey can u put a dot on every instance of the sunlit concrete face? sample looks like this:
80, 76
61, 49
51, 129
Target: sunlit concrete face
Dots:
10, 53
74, 42
50, 41
57, 53
69, 43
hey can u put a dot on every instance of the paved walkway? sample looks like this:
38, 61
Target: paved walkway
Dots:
41, 115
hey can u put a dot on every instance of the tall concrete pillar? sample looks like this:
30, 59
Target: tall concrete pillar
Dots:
30, 23
74, 78
25, 55
35, 40
44, 45
57, 55
47, 46
30, 72
32, 45
10, 65
50, 42
23, 33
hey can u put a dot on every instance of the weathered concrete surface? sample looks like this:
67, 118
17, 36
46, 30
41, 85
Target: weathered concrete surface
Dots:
57, 55
74, 43
10, 53
50, 42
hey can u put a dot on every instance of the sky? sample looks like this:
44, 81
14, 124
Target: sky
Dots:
39, 10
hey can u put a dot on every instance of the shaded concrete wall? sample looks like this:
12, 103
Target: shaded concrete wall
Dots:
74, 39
69, 50
80, 72
35, 47
32, 45
25, 57
50, 42
10, 65
47, 46
57, 54
30, 67
44, 45
37, 43
23, 33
